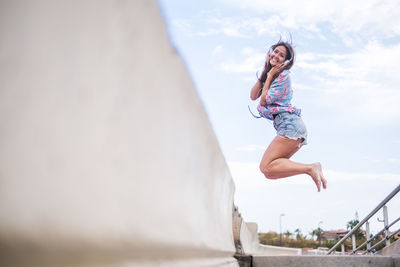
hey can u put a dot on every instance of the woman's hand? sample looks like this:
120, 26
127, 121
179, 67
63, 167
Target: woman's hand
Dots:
276, 70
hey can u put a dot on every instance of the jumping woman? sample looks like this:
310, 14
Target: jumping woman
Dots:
273, 88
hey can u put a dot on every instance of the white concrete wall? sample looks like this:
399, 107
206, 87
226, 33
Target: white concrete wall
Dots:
267, 250
107, 156
249, 237
250, 243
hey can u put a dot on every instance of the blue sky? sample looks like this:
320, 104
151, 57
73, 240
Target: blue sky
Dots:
345, 80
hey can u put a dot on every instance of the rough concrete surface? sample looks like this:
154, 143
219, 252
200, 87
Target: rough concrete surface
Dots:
392, 250
396, 261
322, 261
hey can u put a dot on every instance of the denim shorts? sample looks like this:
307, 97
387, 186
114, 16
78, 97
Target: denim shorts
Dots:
291, 126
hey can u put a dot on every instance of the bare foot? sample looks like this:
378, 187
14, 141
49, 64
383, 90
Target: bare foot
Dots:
317, 176
323, 180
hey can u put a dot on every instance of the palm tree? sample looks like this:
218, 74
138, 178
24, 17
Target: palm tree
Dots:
315, 232
299, 236
287, 234
353, 223
319, 235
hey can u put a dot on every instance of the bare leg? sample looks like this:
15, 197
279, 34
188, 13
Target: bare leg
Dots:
275, 163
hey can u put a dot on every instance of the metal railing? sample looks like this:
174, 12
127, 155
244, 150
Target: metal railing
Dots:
369, 240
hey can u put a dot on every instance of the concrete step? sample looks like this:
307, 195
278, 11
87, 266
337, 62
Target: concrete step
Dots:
326, 261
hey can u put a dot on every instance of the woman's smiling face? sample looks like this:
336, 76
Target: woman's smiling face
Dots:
278, 56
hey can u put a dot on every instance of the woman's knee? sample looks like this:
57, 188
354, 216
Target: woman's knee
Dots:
265, 168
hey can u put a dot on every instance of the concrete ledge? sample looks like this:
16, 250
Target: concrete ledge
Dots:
396, 261
326, 261
244, 260
247, 243
266, 250
392, 250
107, 155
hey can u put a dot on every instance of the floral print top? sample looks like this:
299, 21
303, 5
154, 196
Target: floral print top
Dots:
278, 97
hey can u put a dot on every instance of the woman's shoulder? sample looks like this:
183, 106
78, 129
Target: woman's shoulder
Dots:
284, 75
285, 72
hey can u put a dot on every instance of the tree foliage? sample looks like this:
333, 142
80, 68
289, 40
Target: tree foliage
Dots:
288, 234
353, 223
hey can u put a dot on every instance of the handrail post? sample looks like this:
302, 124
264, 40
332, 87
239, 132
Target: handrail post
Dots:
363, 221
386, 222
343, 252
367, 234
353, 241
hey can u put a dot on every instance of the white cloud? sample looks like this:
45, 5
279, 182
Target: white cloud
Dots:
391, 160
353, 21
348, 19
212, 23
333, 175
183, 25
248, 51
394, 160
374, 57
362, 85
218, 50
250, 64
251, 148
227, 26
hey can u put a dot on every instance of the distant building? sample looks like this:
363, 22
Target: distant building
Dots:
334, 235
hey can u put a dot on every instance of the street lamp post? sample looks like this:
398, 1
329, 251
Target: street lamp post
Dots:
320, 232
280, 227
